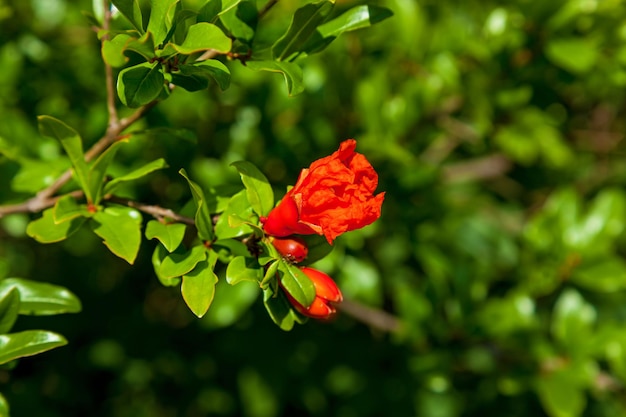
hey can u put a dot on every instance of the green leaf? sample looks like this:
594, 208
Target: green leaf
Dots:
198, 287
35, 175
291, 72
279, 309
158, 23
203, 220
270, 278
144, 46
304, 24
238, 208
296, 283
258, 188
9, 309
28, 343
243, 268
228, 249
98, 170
356, 18
41, 298
66, 208
72, 143
140, 84
241, 21
202, 37
318, 248
577, 55
135, 175
46, 230
159, 254
213, 8
113, 50
170, 235
197, 76
131, 10
181, 261
120, 229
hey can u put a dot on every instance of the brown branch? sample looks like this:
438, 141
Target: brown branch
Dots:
157, 212
375, 318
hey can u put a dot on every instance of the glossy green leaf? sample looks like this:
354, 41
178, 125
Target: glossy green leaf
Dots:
135, 174
98, 170
198, 76
356, 18
213, 8
258, 188
120, 229
72, 143
9, 309
198, 287
143, 46
169, 234
230, 303
46, 230
303, 26
279, 309
159, 254
66, 208
290, 71
180, 16
28, 343
140, 84
35, 175
243, 268
202, 37
239, 208
203, 220
270, 278
182, 261
41, 298
228, 249
296, 283
131, 10
158, 23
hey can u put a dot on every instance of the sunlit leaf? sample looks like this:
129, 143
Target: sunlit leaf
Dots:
140, 84
258, 189
243, 268
202, 37
182, 261
159, 254
135, 175
41, 298
28, 343
98, 169
66, 208
120, 229
296, 283
204, 223
131, 10
47, 230
9, 309
158, 24
170, 235
198, 286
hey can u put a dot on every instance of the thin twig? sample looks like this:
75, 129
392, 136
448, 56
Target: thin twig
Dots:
157, 212
375, 318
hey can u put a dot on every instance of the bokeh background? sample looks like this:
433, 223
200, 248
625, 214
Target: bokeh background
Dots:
497, 130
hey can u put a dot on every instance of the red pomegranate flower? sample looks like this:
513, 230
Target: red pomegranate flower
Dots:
334, 195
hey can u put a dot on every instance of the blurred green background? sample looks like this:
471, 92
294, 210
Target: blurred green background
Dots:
497, 130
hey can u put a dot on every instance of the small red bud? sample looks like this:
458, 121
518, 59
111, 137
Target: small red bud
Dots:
326, 293
293, 248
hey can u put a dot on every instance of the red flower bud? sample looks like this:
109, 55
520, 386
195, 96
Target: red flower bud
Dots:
334, 195
293, 248
326, 292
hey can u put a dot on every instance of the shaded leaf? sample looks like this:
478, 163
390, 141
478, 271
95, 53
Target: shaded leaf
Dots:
296, 283
28, 343
131, 10
279, 309
98, 169
203, 220
159, 254
197, 76
304, 23
9, 309
41, 298
239, 208
140, 84
120, 229
158, 23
